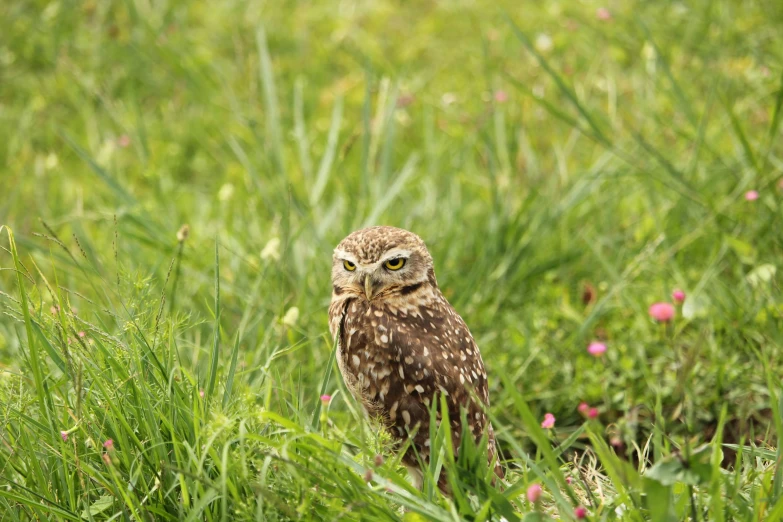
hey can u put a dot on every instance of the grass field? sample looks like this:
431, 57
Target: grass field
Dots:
175, 178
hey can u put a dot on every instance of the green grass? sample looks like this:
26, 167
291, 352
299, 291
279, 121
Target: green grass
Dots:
617, 162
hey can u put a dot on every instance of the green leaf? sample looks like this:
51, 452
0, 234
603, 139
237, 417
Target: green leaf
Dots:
761, 274
672, 469
535, 517
700, 463
659, 499
99, 506
695, 306
667, 472
745, 251
753, 451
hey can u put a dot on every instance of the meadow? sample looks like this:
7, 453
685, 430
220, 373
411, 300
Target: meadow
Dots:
175, 176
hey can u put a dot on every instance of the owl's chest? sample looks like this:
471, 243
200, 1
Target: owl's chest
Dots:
367, 339
373, 345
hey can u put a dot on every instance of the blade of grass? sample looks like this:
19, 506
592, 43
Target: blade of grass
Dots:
717, 503
215, 354
316, 422
741, 136
325, 167
107, 178
271, 105
399, 183
679, 94
32, 346
300, 132
774, 123
231, 370
567, 92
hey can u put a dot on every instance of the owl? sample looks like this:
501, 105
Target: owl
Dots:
400, 344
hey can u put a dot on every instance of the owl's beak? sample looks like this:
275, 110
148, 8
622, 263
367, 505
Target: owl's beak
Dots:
368, 287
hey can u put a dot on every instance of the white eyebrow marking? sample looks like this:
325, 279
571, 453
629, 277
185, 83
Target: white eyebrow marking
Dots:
342, 254
391, 254
396, 252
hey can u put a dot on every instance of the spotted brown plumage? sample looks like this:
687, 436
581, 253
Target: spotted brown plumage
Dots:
400, 342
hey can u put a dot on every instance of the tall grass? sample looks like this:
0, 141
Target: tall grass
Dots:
566, 169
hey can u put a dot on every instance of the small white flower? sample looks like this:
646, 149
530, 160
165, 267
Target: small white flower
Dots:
648, 51
544, 43
291, 316
226, 192
183, 233
51, 161
105, 153
448, 98
271, 249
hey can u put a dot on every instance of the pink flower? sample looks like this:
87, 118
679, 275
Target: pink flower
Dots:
326, 398
582, 408
580, 512
751, 195
678, 295
405, 99
596, 349
592, 413
82, 334
549, 421
569, 480
64, 435
124, 141
602, 13
201, 393
533, 493
106, 459
501, 96
109, 444
662, 312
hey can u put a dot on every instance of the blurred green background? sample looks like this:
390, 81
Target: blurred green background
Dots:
567, 163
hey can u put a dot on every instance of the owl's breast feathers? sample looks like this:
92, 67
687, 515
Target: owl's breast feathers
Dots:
398, 353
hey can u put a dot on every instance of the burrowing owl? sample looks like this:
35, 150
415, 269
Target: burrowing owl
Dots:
400, 342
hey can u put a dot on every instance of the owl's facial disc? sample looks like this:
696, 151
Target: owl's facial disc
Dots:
384, 273
371, 279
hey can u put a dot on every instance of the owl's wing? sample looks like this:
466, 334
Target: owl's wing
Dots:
440, 356
337, 309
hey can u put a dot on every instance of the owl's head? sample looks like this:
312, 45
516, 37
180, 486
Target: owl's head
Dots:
378, 262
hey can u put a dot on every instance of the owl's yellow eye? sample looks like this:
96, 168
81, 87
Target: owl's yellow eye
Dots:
349, 266
395, 264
